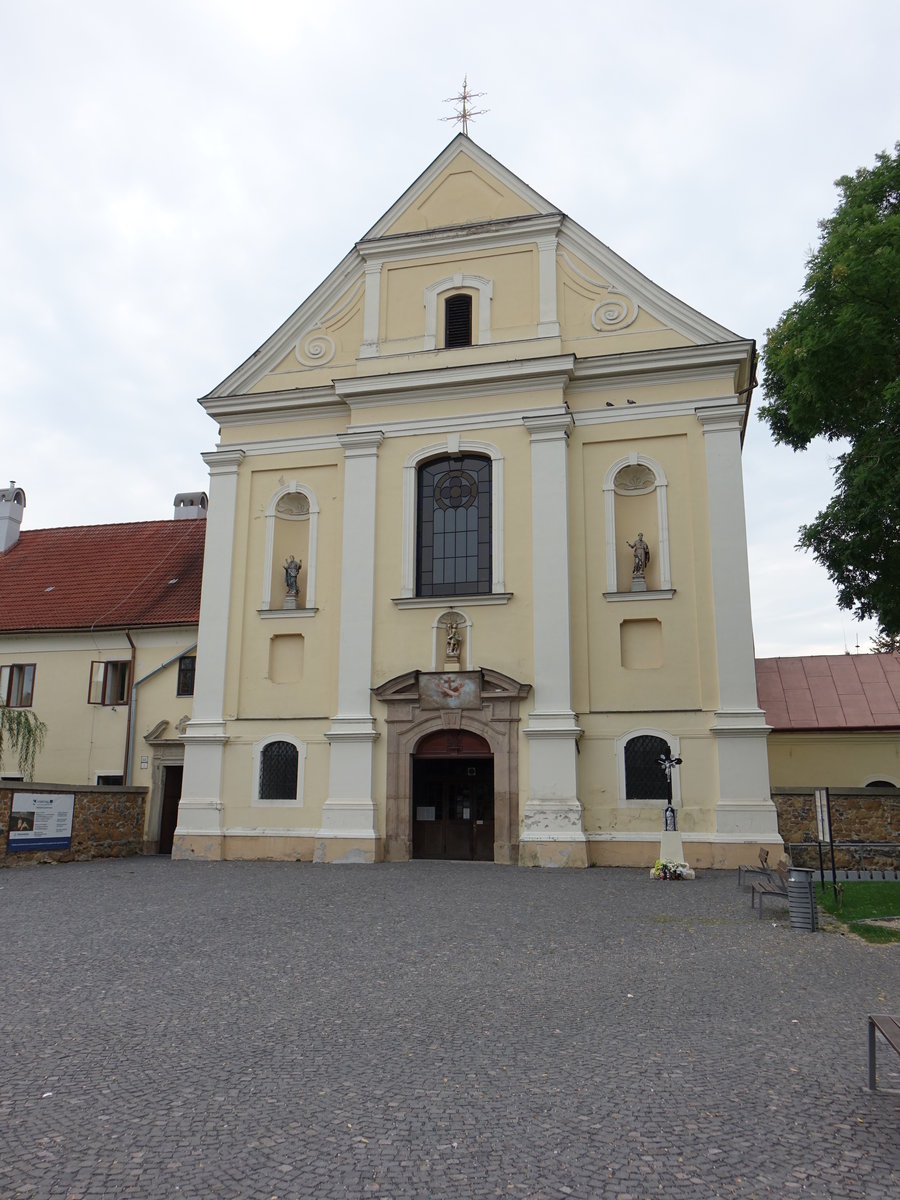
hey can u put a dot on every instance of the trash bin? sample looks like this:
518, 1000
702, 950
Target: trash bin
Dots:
802, 900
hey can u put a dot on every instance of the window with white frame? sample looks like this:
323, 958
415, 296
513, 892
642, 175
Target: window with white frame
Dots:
641, 778
453, 516
453, 527
278, 771
17, 685
109, 682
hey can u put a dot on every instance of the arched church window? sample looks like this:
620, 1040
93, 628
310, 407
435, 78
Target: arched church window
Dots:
458, 320
453, 527
278, 771
644, 777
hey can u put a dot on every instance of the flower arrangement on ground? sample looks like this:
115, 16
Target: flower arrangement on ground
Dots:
666, 869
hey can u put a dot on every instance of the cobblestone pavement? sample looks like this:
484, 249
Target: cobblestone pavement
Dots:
426, 1030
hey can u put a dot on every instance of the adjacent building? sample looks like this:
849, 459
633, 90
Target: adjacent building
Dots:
98, 635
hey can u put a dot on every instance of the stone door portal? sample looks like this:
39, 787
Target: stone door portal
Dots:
480, 710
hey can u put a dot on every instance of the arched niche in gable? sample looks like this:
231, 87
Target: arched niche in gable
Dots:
292, 520
635, 495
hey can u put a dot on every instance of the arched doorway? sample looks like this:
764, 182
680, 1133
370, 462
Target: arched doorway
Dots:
453, 796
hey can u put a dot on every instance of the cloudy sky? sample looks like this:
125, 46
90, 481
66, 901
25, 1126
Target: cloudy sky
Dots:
175, 177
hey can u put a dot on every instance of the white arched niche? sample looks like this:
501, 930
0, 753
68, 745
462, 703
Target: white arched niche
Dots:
477, 283
292, 527
453, 445
637, 475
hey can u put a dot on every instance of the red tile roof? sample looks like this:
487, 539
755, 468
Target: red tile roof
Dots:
103, 576
831, 691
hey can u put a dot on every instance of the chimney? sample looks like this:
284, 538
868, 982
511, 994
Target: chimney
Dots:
12, 508
190, 506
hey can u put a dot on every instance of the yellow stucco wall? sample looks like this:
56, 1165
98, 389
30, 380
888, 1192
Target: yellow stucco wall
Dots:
822, 758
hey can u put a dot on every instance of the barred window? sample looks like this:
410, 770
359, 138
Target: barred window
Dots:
278, 771
453, 549
645, 779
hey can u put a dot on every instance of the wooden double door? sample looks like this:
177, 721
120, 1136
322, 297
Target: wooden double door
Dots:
453, 803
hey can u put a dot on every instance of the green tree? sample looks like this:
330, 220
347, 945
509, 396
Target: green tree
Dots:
22, 731
832, 369
885, 643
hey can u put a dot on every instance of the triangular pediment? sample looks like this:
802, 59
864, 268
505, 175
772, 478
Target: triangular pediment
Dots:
463, 186
464, 208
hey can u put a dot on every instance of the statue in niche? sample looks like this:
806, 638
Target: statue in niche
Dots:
641, 556
291, 571
669, 815
453, 640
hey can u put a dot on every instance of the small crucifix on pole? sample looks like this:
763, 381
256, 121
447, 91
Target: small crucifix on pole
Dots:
464, 113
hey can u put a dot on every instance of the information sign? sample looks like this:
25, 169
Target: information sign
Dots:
41, 821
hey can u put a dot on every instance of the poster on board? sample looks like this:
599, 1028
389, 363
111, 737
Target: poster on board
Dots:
41, 821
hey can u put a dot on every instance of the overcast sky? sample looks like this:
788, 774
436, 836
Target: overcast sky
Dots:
176, 177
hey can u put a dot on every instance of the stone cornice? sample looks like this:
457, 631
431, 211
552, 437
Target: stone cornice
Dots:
528, 374
481, 235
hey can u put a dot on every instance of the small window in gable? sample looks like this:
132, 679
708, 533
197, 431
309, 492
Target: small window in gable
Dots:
458, 320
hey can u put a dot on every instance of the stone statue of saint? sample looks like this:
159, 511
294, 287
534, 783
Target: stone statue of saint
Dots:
452, 639
641, 556
291, 571
670, 819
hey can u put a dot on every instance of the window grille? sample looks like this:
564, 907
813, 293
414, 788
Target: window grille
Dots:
278, 771
645, 779
453, 548
458, 321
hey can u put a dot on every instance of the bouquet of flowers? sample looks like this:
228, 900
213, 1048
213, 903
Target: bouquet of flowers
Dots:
665, 869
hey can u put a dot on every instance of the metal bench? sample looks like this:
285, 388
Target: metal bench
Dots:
889, 1028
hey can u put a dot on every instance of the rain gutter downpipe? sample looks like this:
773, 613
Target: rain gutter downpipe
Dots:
129, 752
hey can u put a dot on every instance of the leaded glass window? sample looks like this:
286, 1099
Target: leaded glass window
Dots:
454, 527
645, 779
278, 771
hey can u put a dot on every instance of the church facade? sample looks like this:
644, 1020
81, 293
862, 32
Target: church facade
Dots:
476, 558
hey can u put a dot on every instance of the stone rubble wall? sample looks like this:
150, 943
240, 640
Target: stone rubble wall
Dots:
868, 818
107, 822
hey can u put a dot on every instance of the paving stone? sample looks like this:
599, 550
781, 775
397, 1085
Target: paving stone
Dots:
424, 1030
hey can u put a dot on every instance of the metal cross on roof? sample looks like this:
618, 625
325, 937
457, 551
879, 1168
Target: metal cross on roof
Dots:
463, 113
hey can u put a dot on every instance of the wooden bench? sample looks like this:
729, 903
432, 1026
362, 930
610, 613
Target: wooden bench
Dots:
774, 885
889, 1028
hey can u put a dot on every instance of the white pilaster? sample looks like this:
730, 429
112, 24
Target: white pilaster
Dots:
200, 810
371, 310
745, 810
548, 323
552, 811
349, 811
